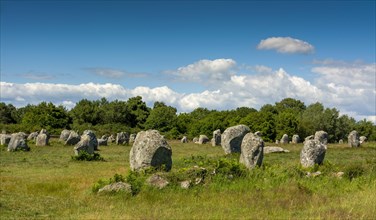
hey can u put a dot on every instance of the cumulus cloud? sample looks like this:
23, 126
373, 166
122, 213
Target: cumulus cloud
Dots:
285, 45
349, 87
205, 71
113, 73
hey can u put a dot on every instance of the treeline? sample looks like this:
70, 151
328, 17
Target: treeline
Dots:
289, 116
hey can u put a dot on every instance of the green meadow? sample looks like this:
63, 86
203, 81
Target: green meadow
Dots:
45, 183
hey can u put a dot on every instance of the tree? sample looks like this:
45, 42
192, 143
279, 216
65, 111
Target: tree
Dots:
290, 104
162, 118
86, 111
286, 123
366, 128
8, 113
138, 111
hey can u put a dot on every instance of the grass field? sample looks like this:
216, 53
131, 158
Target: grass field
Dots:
46, 183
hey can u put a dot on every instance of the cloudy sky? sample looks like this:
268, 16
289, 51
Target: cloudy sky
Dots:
189, 54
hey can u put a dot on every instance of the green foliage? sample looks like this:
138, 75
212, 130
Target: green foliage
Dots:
103, 182
162, 118
84, 156
136, 180
8, 113
354, 171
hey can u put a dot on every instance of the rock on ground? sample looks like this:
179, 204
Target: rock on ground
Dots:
252, 151
322, 136
64, 135
157, 181
116, 187
150, 149
195, 140
32, 136
232, 137
86, 144
362, 139
216, 141
4, 139
122, 138
73, 138
203, 139
272, 149
93, 138
295, 139
284, 139
313, 152
132, 137
184, 140
42, 138
102, 142
353, 139
18, 142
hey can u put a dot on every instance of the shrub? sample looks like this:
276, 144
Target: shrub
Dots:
84, 156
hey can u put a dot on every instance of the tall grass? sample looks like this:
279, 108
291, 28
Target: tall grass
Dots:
46, 184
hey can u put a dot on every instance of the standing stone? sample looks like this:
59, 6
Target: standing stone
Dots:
122, 138
321, 136
362, 139
111, 139
252, 151
132, 137
273, 149
86, 144
353, 139
102, 142
184, 140
311, 137
64, 135
284, 139
313, 152
5, 139
340, 141
150, 149
295, 139
18, 142
216, 138
232, 138
258, 133
203, 139
73, 138
32, 136
276, 141
195, 140
42, 138
93, 138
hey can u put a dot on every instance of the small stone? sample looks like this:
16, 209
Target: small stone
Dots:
185, 184
157, 181
116, 187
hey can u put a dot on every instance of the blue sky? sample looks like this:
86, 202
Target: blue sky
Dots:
214, 54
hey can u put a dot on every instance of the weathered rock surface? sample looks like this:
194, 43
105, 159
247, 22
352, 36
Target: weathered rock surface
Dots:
203, 139
132, 137
252, 151
232, 137
42, 138
313, 152
116, 187
362, 139
321, 136
216, 141
18, 142
353, 139
93, 138
340, 141
284, 139
102, 142
64, 135
295, 139
150, 149
272, 149
32, 136
157, 181
311, 137
184, 140
87, 143
73, 138
195, 140
111, 139
122, 138
5, 138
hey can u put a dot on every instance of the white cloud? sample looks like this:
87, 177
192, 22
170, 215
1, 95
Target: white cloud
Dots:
285, 45
205, 71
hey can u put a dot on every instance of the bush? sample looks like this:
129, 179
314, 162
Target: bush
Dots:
84, 156
354, 171
103, 182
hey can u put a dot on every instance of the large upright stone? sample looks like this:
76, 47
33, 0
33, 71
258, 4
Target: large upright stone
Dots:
284, 139
216, 138
18, 142
73, 138
111, 139
150, 149
313, 152
295, 139
203, 139
85, 145
184, 140
93, 138
252, 151
353, 139
64, 135
32, 136
132, 137
321, 136
42, 138
122, 138
232, 138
